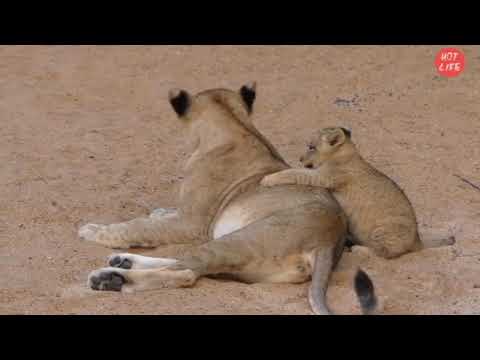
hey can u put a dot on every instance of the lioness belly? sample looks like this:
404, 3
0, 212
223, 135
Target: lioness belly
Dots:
295, 268
232, 219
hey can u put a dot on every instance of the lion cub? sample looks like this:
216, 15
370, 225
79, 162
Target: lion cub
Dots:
380, 215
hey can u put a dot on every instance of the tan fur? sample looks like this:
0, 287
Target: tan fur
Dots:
380, 215
251, 233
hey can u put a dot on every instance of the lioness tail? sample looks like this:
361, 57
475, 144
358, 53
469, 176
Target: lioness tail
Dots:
365, 292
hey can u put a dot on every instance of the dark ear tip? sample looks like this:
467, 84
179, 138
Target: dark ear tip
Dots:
245, 90
173, 93
248, 93
347, 132
180, 101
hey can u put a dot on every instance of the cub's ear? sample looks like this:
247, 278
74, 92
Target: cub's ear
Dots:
337, 137
248, 93
180, 101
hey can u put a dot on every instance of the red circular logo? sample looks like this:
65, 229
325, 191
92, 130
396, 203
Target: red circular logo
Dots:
450, 62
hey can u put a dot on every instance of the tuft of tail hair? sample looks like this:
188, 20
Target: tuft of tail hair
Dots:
365, 292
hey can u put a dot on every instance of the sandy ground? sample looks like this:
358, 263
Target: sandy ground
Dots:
87, 135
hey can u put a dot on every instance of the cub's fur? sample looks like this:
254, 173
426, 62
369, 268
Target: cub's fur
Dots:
380, 215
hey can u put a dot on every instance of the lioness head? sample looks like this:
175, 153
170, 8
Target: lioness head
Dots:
226, 108
325, 146
187, 106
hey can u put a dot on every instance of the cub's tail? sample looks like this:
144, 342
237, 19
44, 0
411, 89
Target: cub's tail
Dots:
365, 292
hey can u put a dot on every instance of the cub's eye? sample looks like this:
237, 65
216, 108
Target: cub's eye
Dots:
311, 147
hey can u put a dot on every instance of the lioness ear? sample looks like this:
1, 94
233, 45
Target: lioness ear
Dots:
348, 133
180, 101
248, 93
337, 137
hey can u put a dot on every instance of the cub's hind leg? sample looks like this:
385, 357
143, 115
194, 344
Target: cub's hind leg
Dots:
391, 242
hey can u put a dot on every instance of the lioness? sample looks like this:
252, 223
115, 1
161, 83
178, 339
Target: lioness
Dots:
380, 215
252, 233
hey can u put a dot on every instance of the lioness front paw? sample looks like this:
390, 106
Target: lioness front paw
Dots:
106, 279
89, 232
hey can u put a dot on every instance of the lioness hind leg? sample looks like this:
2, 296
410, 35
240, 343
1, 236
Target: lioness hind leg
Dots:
241, 253
211, 258
117, 279
134, 261
228, 254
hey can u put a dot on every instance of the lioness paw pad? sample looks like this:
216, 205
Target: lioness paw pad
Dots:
106, 280
120, 261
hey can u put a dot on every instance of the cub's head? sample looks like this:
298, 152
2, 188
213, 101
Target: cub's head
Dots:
188, 107
327, 145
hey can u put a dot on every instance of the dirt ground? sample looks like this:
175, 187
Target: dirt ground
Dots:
87, 135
